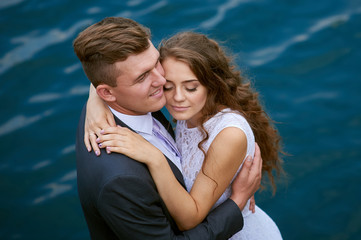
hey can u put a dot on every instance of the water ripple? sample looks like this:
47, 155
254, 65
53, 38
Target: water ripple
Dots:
21, 121
41, 164
72, 68
52, 96
68, 149
34, 44
318, 96
9, 3
270, 53
221, 12
94, 10
57, 188
133, 3
129, 14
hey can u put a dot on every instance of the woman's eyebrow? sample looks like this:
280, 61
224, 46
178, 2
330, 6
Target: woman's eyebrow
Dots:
185, 81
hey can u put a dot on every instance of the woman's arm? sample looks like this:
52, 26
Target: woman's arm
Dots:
98, 117
224, 157
223, 160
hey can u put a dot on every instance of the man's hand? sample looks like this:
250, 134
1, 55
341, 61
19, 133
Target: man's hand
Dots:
248, 179
252, 204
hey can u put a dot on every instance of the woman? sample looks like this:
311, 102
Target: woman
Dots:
218, 118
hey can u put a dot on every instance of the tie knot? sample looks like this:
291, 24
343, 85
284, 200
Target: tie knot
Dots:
162, 136
156, 126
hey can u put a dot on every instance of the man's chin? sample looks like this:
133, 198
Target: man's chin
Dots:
158, 107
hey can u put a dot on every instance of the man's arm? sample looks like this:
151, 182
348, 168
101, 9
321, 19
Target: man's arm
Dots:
133, 209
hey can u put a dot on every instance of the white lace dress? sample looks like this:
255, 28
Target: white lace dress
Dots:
256, 226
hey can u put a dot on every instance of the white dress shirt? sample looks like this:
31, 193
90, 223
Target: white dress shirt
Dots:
143, 125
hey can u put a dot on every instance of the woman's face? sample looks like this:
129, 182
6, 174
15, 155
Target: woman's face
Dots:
184, 93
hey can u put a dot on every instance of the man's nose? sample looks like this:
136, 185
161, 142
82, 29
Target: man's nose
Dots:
158, 77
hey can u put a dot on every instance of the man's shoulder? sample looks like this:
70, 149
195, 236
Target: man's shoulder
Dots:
108, 166
113, 172
97, 170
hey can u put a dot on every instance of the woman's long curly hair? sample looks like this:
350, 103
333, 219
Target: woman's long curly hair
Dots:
226, 88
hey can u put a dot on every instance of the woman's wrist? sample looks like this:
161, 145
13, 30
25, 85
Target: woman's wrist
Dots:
156, 160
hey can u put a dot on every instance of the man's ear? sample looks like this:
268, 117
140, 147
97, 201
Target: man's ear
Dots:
104, 92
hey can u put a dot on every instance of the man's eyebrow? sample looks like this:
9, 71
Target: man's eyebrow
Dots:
147, 71
141, 75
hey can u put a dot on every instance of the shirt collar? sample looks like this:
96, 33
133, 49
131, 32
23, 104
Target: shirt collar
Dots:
139, 123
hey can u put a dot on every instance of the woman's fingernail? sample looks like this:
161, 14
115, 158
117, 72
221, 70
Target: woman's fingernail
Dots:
89, 149
97, 140
102, 131
97, 153
108, 150
100, 145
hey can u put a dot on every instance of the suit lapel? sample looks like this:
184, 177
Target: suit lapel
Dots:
163, 120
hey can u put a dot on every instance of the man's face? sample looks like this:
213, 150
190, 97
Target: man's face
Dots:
140, 84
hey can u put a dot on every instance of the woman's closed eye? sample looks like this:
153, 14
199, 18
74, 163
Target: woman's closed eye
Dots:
168, 86
191, 89
191, 86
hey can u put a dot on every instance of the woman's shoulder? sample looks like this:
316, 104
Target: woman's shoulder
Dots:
228, 118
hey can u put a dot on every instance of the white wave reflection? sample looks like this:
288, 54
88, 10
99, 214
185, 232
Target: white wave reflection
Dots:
68, 149
72, 68
57, 188
78, 90
9, 3
48, 97
318, 96
21, 121
41, 164
129, 14
270, 53
70, 176
133, 3
45, 97
33, 44
221, 12
94, 10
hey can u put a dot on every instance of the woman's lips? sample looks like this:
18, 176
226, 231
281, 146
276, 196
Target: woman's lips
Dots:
179, 108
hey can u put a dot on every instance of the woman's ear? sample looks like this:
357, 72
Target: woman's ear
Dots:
105, 93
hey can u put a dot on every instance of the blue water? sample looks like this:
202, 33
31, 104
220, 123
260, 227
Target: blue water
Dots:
303, 57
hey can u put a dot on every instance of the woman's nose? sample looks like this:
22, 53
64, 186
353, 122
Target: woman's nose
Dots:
178, 95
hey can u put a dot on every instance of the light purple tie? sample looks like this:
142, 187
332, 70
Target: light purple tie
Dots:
158, 133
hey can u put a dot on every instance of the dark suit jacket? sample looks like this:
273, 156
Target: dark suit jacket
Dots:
120, 200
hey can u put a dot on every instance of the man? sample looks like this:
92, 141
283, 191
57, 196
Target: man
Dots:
117, 194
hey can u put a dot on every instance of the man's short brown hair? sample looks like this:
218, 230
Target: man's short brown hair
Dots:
111, 40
